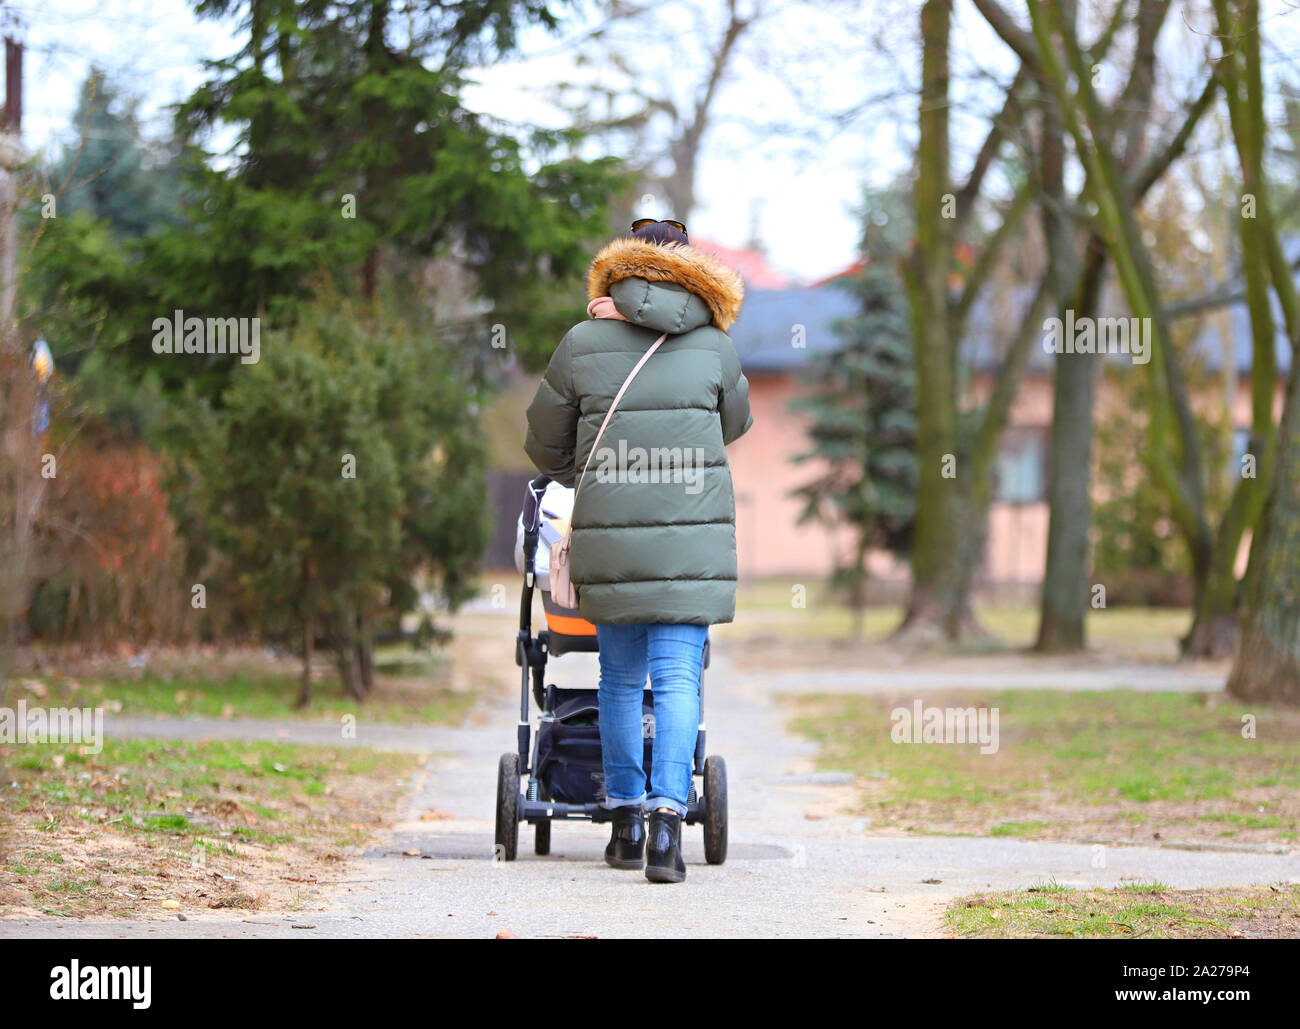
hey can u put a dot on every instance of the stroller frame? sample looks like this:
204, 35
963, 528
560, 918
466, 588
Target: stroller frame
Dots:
707, 806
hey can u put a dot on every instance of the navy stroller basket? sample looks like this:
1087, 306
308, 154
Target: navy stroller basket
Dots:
569, 766
562, 760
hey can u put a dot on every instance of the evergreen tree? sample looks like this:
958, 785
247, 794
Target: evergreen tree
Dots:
862, 405
109, 172
339, 469
356, 158
354, 162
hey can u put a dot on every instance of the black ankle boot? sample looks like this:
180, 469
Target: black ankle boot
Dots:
627, 842
664, 862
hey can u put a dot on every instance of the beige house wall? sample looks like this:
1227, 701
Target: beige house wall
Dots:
769, 539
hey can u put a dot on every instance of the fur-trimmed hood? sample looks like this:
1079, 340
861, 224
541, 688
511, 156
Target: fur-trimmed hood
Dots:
708, 278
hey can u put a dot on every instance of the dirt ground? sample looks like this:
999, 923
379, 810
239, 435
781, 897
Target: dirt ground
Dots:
201, 847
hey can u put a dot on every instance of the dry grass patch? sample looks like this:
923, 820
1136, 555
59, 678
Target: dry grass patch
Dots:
1140, 910
150, 829
1096, 766
438, 687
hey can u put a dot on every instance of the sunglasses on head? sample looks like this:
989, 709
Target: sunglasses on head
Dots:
641, 223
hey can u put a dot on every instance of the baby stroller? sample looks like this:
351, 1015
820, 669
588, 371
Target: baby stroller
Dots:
562, 761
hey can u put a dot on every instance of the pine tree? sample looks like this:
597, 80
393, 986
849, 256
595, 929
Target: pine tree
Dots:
862, 406
109, 171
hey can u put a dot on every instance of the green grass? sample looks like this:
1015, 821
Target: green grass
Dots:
1091, 765
413, 687
131, 779
765, 608
1147, 910
1034, 828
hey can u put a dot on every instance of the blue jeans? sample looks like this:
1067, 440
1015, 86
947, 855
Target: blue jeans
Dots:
672, 654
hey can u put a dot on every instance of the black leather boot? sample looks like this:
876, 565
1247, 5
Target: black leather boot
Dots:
664, 862
627, 842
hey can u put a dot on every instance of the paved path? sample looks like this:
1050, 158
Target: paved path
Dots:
1148, 677
787, 874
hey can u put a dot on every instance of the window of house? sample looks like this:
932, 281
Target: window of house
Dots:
1022, 466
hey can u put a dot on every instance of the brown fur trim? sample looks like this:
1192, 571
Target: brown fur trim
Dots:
708, 278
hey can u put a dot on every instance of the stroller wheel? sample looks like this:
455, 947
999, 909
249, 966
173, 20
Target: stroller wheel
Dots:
507, 840
542, 836
715, 810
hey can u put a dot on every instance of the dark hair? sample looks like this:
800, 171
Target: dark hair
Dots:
661, 233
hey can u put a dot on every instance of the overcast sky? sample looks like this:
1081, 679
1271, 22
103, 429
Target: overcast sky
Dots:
803, 185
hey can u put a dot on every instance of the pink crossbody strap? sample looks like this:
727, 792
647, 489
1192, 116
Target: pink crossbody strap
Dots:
610, 413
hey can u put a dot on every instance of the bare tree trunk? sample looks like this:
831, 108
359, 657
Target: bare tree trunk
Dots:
308, 639
343, 641
22, 492
1178, 469
21, 489
1061, 623
1111, 152
1214, 630
1267, 666
365, 653
935, 566
1065, 579
858, 588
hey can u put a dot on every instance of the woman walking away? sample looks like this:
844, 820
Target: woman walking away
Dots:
653, 551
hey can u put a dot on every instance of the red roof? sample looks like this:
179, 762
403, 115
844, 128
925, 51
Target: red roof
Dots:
962, 252
752, 265
854, 269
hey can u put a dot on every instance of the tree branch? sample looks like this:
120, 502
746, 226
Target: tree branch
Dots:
1013, 35
1011, 108
1159, 163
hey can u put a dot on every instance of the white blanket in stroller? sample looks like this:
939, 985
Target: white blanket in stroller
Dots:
556, 510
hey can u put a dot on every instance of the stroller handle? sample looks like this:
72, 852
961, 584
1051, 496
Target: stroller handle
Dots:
532, 519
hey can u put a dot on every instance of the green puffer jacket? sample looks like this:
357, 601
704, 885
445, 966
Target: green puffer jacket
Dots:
654, 524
